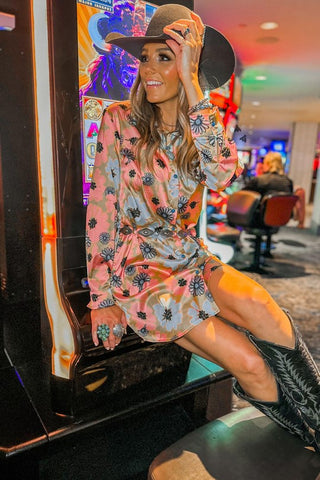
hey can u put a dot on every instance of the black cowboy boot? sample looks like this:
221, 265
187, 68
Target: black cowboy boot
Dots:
296, 373
283, 413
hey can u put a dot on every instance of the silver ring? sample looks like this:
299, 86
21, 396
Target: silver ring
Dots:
186, 32
118, 330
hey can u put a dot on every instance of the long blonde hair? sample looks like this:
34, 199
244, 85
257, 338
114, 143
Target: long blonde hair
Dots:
148, 121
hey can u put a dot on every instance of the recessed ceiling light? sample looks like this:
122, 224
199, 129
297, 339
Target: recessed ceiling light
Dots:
269, 25
256, 103
261, 77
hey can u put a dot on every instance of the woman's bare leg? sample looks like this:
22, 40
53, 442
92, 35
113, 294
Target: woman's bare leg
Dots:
247, 304
220, 343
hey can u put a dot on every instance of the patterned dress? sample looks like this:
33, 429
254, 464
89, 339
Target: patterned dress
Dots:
142, 251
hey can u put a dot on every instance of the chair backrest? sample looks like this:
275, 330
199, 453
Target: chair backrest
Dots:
276, 208
242, 206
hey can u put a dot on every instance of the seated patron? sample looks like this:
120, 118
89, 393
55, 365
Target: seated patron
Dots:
273, 179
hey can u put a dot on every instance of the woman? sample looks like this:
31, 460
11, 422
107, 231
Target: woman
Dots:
146, 268
273, 178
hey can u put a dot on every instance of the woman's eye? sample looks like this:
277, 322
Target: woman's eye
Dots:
164, 57
143, 58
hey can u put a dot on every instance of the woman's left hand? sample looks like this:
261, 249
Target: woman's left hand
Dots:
187, 47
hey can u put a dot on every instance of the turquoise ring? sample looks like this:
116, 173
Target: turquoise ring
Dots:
103, 332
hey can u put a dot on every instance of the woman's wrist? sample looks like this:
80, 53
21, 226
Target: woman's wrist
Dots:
203, 104
194, 93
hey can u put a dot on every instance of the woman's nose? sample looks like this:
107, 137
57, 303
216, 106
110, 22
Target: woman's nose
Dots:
150, 66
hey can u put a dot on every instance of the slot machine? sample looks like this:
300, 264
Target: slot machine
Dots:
47, 331
86, 76
76, 75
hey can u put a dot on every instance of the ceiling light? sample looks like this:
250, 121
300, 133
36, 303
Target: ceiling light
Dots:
261, 77
269, 25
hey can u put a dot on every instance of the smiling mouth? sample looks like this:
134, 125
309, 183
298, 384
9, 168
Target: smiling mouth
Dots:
153, 83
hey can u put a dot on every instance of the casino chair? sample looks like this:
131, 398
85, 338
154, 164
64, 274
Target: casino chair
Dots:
260, 217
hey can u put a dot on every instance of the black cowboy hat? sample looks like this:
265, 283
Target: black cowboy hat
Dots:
217, 60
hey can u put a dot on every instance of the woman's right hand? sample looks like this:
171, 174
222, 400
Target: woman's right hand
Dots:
187, 47
109, 316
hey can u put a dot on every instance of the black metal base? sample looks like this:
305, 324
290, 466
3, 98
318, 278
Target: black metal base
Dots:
140, 373
21, 467
29, 427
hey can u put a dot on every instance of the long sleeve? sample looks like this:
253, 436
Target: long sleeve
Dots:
219, 163
252, 184
102, 214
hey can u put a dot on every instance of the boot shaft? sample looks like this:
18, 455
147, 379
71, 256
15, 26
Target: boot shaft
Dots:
296, 372
282, 412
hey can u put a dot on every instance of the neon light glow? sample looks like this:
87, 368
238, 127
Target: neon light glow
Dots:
63, 349
62, 340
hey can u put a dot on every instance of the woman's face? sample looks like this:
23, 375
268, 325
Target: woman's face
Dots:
159, 75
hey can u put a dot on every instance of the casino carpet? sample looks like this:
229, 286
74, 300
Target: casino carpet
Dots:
124, 451
293, 281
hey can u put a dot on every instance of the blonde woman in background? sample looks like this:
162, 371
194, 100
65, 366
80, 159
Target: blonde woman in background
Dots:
273, 179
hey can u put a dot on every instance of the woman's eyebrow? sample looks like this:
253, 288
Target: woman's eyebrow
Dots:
160, 49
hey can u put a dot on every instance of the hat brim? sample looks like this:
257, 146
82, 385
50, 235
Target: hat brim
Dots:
217, 60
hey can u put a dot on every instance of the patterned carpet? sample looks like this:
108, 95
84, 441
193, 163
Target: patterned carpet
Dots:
293, 281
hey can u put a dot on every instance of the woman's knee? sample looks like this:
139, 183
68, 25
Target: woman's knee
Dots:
260, 296
251, 365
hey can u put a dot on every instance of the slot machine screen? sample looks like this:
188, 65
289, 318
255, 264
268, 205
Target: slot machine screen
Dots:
106, 72
278, 146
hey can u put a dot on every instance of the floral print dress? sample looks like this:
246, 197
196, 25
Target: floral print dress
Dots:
142, 249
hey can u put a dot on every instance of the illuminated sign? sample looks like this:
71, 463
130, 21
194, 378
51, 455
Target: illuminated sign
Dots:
106, 72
